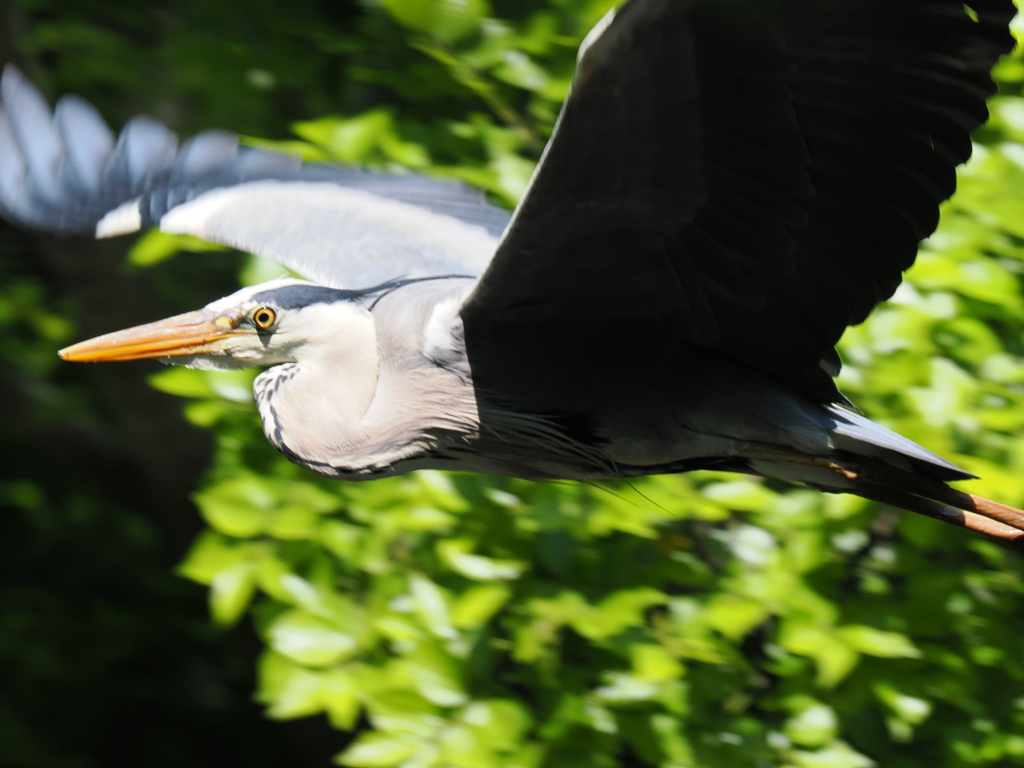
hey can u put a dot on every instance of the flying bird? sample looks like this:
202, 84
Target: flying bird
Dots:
728, 187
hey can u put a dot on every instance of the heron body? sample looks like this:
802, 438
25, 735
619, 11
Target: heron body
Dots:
729, 186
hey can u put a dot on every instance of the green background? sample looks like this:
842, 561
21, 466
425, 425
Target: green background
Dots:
456, 620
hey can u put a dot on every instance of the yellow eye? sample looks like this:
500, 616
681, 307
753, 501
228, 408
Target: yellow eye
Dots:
263, 317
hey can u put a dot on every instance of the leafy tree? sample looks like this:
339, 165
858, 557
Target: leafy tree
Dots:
457, 620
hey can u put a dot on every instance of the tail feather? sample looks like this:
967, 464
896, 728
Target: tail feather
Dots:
860, 435
884, 466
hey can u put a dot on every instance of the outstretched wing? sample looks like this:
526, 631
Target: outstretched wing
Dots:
67, 173
752, 176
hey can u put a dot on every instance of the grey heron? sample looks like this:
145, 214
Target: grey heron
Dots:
729, 186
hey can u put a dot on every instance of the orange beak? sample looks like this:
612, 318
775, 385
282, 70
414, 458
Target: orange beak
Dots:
190, 334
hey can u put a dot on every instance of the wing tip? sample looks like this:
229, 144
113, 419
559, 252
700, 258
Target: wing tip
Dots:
13, 77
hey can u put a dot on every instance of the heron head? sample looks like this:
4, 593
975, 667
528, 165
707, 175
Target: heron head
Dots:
276, 322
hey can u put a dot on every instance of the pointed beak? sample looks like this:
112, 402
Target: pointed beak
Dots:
193, 333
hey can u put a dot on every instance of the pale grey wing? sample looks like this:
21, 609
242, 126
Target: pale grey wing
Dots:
746, 177
67, 173
335, 235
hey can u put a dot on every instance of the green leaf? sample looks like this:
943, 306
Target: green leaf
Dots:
671, 740
444, 19
476, 606
734, 616
835, 657
616, 612
377, 750
340, 697
518, 69
528, 755
909, 708
348, 139
837, 755
654, 662
875, 642
341, 538
456, 553
290, 691
211, 554
982, 279
184, 382
398, 710
433, 674
311, 640
742, 494
293, 521
247, 505
236, 507
206, 413
155, 246
431, 605
623, 687
230, 592
499, 723
235, 386
462, 747
813, 724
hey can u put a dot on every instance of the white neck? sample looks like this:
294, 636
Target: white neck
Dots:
315, 406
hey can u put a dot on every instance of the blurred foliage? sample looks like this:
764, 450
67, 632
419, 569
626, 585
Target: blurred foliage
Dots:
679, 621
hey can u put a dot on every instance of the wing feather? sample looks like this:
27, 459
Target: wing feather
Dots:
376, 239
66, 173
87, 143
770, 165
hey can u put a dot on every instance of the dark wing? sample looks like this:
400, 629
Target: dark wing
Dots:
67, 173
753, 175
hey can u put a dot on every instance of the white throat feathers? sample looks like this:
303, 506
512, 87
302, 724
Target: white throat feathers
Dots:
323, 422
